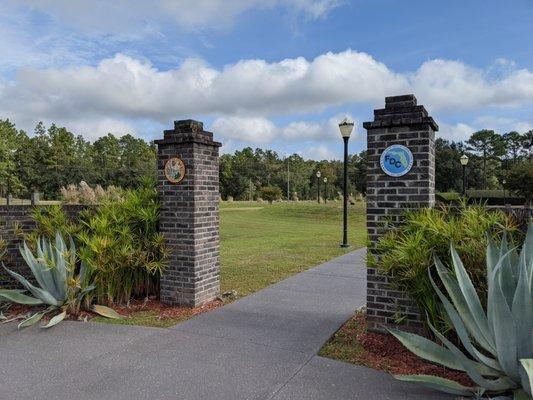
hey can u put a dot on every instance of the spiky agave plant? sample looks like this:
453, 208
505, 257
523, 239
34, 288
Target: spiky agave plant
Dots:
60, 282
499, 342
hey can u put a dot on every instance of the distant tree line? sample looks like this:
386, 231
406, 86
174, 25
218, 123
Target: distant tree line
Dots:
492, 160
54, 157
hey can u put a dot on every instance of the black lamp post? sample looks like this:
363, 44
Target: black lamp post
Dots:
464, 162
325, 190
318, 186
346, 127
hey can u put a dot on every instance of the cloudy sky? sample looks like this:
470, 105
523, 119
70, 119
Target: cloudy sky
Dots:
275, 74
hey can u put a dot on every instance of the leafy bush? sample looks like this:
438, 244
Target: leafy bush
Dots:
271, 193
498, 341
448, 197
120, 243
407, 251
494, 197
61, 283
118, 240
520, 180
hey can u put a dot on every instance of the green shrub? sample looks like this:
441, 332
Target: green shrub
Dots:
495, 197
497, 343
120, 243
407, 251
448, 197
118, 240
520, 180
271, 193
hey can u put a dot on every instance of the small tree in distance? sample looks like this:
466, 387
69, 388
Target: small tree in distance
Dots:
271, 193
520, 180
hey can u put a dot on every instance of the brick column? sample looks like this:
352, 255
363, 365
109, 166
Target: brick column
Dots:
401, 122
189, 214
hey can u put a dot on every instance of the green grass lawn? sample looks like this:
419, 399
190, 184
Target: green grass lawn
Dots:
264, 243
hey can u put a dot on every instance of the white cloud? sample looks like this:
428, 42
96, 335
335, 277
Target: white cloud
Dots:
460, 132
503, 124
260, 130
319, 153
456, 132
253, 130
245, 94
453, 84
134, 18
126, 87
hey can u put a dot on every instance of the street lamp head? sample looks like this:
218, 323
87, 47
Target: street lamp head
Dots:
318, 174
325, 179
346, 127
464, 160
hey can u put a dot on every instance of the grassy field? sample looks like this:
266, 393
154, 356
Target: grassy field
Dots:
262, 244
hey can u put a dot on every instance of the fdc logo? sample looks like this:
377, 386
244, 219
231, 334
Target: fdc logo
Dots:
396, 160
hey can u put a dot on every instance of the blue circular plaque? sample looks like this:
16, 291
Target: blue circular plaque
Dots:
396, 160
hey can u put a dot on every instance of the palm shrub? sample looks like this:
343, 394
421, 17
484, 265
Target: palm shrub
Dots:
60, 283
407, 251
120, 243
498, 341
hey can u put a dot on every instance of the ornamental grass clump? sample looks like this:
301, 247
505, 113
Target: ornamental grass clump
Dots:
497, 340
60, 283
407, 251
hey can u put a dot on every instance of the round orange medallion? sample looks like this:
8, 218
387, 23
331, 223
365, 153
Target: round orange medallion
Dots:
174, 170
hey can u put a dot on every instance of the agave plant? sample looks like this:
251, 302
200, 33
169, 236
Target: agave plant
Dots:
498, 341
59, 282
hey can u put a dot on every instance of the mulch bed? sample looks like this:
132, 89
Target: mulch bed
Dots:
163, 311
353, 343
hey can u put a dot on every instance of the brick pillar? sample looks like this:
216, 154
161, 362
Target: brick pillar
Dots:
401, 122
189, 214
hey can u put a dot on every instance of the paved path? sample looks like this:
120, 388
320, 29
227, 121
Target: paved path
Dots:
261, 347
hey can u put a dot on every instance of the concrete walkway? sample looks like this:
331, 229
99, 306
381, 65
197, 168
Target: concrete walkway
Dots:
261, 347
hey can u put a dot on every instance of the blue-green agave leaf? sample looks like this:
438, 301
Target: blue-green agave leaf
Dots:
460, 304
41, 294
471, 297
427, 349
55, 320
487, 366
500, 384
527, 375
16, 297
522, 307
438, 383
504, 326
33, 319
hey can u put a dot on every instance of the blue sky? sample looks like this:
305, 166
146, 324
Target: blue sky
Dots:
273, 73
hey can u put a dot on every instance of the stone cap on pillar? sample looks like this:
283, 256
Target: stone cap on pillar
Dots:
400, 111
187, 131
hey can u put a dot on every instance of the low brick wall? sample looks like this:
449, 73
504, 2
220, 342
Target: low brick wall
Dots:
18, 217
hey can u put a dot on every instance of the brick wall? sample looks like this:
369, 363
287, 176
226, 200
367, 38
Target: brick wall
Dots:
190, 215
402, 122
15, 219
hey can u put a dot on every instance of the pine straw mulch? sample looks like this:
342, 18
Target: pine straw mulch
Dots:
353, 343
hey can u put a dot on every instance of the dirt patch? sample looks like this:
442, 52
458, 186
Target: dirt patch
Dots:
354, 344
